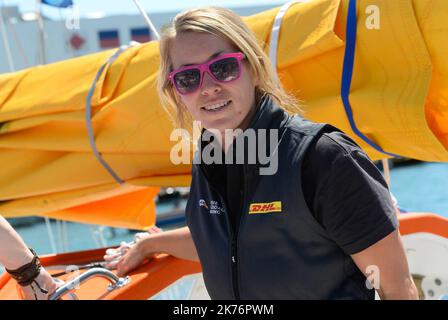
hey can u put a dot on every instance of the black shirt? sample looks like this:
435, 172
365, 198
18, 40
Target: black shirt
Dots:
338, 180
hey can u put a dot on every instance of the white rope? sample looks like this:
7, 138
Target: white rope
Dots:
60, 236
93, 233
65, 236
50, 235
41, 33
148, 21
275, 33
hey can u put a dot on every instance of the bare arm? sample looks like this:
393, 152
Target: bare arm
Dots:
177, 243
16, 254
387, 260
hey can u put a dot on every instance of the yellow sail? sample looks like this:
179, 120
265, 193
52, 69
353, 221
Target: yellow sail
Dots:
397, 103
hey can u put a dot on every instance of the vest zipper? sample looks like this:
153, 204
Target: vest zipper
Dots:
233, 248
236, 292
235, 240
234, 236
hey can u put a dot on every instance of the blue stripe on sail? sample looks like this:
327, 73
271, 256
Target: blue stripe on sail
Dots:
347, 74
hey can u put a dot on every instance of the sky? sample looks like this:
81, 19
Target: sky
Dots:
115, 7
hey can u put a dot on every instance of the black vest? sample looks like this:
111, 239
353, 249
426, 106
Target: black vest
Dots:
279, 250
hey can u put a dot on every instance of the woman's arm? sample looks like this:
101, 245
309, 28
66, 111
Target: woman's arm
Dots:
14, 254
352, 202
177, 243
385, 264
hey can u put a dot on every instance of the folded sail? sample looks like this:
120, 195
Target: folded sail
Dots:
396, 100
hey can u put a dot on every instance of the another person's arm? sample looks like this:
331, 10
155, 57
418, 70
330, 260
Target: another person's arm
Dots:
14, 254
177, 243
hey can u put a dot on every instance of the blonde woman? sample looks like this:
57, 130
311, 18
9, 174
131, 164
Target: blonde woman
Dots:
314, 227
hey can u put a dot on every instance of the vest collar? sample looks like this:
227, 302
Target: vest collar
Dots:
267, 116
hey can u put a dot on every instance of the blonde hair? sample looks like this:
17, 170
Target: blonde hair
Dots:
226, 24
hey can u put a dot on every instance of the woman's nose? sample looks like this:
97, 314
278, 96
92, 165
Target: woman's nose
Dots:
209, 85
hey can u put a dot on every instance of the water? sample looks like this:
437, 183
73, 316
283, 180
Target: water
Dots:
421, 187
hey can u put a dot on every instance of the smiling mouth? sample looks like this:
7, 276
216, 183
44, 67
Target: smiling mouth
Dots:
217, 106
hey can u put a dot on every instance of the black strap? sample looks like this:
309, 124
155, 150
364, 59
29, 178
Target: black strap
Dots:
82, 267
26, 274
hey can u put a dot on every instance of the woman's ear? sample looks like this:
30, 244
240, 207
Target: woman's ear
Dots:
257, 80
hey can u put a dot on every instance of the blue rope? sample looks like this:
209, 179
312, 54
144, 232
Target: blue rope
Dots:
347, 74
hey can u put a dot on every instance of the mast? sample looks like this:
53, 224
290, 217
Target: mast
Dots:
148, 21
5, 40
41, 32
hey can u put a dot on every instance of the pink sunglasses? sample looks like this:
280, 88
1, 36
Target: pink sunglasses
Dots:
225, 68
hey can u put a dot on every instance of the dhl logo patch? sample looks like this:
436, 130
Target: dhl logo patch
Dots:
267, 207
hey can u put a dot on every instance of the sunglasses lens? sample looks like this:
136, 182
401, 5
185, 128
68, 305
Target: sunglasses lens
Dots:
188, 80
226, 69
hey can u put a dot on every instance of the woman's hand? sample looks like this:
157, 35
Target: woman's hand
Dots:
177, 242
133, 258
116, 256
46, 282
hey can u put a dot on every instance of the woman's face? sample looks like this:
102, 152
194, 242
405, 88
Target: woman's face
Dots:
196, 48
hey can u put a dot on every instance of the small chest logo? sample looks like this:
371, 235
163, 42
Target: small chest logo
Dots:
265, 207
214, 207
202, 203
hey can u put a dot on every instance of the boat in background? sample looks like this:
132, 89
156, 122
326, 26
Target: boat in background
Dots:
425, 237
